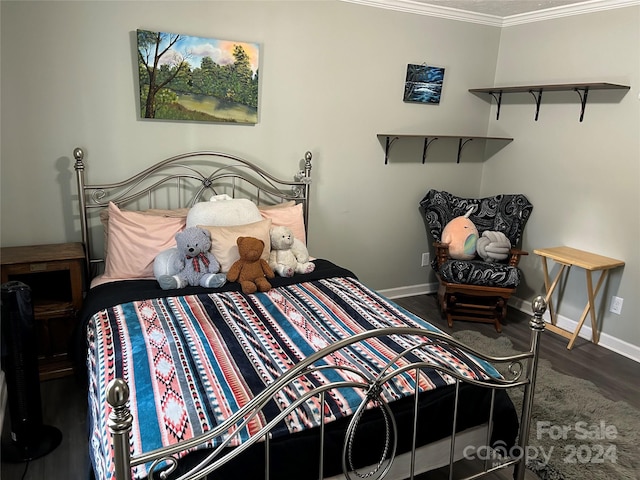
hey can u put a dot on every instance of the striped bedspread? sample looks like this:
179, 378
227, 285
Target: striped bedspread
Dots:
192, 361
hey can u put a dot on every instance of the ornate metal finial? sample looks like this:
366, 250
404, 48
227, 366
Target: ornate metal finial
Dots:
78, 154
119, 425
120, 418
539, 306
304, 174
117, 393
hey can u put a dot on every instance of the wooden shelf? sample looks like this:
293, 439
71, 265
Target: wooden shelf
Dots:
582, 89
45, 309
390, 138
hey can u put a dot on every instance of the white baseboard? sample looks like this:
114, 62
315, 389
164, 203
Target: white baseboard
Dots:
410, 290
607, 341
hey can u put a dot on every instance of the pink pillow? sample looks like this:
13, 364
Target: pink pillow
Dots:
134, 241
104, 218
289, 203
291, 217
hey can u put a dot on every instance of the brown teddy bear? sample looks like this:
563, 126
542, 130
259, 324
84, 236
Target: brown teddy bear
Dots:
250, 270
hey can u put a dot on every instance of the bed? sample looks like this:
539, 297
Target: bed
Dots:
319, 377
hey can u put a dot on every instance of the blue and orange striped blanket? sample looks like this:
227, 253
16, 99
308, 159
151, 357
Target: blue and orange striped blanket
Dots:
192, 361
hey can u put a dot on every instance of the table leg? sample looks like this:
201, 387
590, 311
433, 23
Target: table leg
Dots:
590, 307
545, 270
550, 287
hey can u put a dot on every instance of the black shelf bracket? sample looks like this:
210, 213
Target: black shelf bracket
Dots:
388, 144
583, 99
538, 98
498, 100
461, 143
388, 139
427, 143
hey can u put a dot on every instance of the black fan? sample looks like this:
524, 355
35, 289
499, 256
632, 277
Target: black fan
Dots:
29, 437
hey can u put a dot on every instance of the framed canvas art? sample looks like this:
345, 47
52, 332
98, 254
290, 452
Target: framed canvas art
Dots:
182, 77
423, 84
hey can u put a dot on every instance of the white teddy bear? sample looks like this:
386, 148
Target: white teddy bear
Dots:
288, 254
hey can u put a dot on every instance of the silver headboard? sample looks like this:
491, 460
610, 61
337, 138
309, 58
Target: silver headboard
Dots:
183, 180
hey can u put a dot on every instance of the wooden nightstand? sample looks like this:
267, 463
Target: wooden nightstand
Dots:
55, 275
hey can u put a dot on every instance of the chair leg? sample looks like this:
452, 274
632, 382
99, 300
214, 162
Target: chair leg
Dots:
443, 301
498, 325
501, 313
446, 301
450, 304
449, 320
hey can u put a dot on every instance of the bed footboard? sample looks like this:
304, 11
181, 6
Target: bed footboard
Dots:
162, 462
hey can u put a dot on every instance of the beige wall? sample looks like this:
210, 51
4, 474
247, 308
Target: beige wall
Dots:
332, 76
583, 178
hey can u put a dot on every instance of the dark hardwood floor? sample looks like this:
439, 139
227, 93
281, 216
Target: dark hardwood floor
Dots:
64, 400
64, 406
615, 375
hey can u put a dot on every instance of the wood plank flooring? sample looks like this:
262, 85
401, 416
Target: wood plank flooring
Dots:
614, 374
64, 400
64, 406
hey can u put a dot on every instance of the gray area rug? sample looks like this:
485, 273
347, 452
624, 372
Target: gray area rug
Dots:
576, 432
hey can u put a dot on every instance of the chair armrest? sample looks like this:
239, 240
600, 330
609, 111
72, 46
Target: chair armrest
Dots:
514, 256
442, 252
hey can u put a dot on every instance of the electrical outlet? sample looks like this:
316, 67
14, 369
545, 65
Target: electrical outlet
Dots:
616, 305
425, 260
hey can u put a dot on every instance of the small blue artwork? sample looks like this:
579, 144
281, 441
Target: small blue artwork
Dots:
423, 84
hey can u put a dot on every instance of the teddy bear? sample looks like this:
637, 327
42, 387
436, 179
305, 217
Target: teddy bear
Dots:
193, 262
250, 270
461, 235
288, 254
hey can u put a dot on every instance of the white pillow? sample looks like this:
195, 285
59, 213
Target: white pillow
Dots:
164, 263
223, 211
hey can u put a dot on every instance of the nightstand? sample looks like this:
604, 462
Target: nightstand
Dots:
55, 275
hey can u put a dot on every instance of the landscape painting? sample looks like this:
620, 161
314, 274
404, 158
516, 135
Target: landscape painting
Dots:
423, 84
197, 79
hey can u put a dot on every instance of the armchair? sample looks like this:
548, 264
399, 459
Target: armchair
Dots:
475, 290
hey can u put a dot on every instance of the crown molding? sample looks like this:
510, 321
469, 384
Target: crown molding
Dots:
591, 6
420, 8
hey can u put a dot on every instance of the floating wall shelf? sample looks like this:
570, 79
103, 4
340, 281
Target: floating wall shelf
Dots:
536, 90
390, 138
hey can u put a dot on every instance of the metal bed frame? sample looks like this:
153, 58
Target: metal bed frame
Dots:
194, 174
182, 181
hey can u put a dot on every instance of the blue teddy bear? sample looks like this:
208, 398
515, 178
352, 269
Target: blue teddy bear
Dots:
194, 264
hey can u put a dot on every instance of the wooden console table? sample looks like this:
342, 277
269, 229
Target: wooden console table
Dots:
590, 262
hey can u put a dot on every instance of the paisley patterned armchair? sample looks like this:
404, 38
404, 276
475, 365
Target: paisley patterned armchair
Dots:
476, 290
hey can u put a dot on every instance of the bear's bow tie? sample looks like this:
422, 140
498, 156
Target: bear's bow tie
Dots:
201, 257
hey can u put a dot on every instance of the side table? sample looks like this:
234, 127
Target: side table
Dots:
55, 275
590, 262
